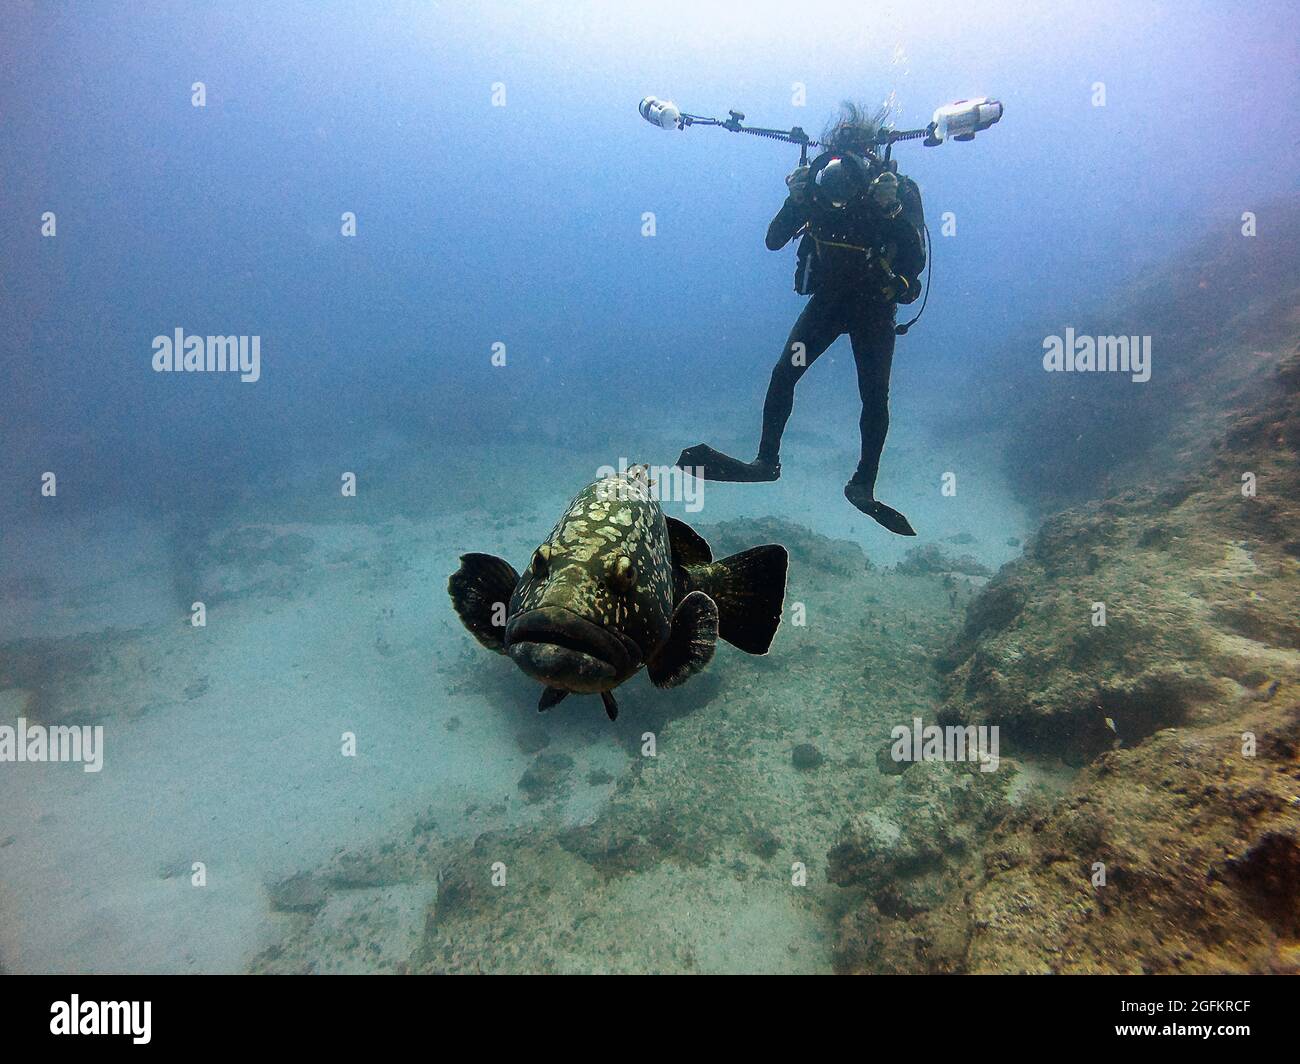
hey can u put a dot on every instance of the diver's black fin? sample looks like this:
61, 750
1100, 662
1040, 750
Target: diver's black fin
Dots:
885, 516
707, 463
749, 589
480, 592
689, 547
611, 707
552, 696
888, 517
691, 643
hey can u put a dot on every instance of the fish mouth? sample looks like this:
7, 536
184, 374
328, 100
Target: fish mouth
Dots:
557, 647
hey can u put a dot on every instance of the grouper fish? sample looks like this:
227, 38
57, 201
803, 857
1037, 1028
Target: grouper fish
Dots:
616, 586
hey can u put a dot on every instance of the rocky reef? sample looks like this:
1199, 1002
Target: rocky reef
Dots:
1148, 610
1177, 849
1199, 847
931, 559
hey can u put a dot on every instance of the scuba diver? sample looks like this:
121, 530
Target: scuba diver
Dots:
861, 255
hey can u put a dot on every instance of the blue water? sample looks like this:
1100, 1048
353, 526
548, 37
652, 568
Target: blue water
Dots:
499, 176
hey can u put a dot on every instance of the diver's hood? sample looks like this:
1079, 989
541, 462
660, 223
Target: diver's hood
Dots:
559, 648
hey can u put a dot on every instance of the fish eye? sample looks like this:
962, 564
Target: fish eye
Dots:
622, 574
542, 560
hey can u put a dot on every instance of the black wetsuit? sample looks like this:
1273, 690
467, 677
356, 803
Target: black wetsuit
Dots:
846, 297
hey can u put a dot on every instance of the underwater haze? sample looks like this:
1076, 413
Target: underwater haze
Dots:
469, 277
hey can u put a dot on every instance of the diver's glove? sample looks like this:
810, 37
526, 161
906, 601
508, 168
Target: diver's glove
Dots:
797, 183
884, 194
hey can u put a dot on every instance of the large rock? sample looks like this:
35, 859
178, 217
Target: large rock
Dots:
1201, 853
823, 554
1201, 593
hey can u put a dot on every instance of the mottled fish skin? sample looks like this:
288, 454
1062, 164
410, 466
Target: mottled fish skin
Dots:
611, 519
617, 587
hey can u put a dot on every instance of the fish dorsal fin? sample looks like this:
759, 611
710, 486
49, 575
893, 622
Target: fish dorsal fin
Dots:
480, 592
691, 644
689, 547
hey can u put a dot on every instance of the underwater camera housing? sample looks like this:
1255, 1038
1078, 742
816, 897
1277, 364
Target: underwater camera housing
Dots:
836, 178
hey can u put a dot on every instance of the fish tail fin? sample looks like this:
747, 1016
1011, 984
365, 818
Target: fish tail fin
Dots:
749, 589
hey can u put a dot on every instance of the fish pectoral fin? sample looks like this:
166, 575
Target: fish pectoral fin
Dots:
480, 593
552, 696
691, 643
611, 707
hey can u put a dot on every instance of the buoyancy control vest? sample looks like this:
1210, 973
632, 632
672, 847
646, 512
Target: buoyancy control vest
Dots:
845, 247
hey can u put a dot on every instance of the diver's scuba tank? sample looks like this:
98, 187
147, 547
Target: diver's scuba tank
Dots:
962, 120
661, 113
